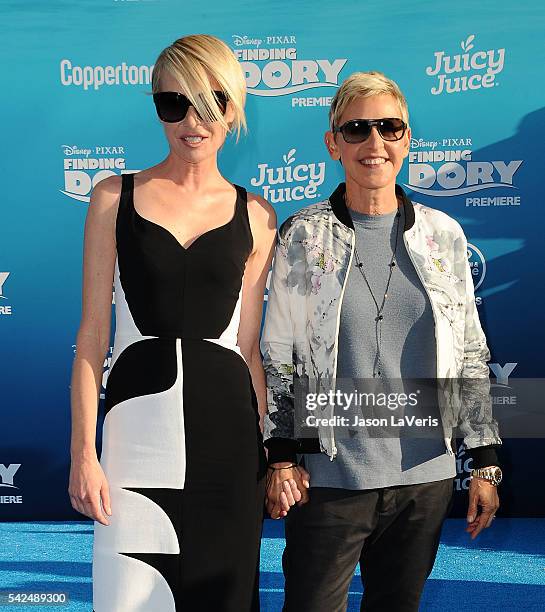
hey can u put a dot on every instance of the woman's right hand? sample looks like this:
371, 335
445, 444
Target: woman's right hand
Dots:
88, 487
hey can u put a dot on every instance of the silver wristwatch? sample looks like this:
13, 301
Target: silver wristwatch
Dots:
493, 474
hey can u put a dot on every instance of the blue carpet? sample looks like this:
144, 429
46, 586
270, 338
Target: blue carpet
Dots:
503, 569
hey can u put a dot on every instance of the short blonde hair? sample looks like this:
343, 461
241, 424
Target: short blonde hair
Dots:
192, 61
364, 85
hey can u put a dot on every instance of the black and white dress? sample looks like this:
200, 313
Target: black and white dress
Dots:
182, 451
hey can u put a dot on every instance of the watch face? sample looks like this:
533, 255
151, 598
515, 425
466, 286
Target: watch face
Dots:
497, 475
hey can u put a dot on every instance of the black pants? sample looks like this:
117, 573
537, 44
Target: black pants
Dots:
392, 532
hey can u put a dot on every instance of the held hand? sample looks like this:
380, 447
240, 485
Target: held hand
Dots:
484, 494
88, 488
285, 488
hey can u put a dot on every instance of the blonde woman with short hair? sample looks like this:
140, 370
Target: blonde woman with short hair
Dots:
177, 495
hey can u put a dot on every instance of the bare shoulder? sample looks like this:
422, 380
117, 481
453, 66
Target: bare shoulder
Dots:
102, 211
261, 212
105, 194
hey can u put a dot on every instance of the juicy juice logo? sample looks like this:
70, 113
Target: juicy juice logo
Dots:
475, 70
291, 182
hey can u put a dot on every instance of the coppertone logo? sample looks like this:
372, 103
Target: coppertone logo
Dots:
444, 168
96, 77
272, 68
4, 308
85, 167
477, 265
467, 70
291, 181
7, 486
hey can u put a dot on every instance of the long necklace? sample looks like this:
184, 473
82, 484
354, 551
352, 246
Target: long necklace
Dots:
380, 308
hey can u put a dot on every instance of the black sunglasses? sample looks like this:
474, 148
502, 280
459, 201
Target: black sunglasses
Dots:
359, 130
172, 106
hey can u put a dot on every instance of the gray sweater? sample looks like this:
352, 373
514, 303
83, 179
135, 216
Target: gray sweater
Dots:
366, 460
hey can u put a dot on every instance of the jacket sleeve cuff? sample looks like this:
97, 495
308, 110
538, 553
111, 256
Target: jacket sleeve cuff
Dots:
483, 456
281, 449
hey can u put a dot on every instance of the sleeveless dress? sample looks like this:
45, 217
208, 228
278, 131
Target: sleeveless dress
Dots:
181, 445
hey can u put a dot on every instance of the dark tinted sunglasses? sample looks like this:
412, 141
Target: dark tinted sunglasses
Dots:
359, 130
172, 106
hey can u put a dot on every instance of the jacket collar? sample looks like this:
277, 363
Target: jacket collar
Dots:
338, 205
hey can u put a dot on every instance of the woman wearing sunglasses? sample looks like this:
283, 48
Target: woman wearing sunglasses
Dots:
368, 286
177, 495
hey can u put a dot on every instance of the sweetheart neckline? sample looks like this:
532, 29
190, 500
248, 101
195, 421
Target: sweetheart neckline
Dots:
173, 236
169, 233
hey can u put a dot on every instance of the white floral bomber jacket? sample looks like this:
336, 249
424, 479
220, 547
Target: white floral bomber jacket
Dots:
300, 335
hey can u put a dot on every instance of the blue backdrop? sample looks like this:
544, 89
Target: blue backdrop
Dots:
75, 109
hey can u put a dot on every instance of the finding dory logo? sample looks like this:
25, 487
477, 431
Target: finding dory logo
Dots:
272, 67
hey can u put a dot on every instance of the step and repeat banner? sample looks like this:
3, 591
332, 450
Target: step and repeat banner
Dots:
76, 108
